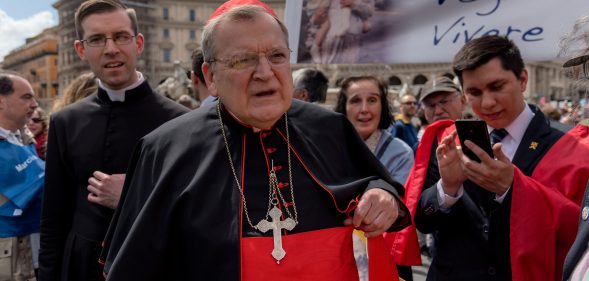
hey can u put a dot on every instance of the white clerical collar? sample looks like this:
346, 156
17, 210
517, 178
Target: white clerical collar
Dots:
14, 138
119, 95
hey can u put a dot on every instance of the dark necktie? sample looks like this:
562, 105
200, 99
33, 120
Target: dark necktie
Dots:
497, 135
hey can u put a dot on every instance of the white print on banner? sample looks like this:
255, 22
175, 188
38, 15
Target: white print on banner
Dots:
25, 164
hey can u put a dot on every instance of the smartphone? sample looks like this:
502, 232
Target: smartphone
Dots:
476, 132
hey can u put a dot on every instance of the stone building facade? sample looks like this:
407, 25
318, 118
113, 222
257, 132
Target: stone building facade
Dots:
173, 28
37, 62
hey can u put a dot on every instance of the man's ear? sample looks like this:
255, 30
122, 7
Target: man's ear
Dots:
305, 95
194, 79
79, 47
139, 40
207, 71
301, 94
523, 79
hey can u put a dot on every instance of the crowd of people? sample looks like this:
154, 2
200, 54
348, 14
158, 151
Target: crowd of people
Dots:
256, 179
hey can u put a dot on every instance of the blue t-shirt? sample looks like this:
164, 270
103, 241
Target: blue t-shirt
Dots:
21, 182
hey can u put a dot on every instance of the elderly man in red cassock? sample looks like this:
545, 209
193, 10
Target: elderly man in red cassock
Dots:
257, 186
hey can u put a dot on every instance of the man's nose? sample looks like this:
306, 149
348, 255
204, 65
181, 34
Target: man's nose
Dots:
263, 69
487, 100
110, 46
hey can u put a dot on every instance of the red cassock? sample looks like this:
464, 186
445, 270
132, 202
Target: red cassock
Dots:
314, 255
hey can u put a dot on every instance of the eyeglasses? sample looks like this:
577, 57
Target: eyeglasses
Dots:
37, 120
442, 103
250, 60
409, 103
100, 40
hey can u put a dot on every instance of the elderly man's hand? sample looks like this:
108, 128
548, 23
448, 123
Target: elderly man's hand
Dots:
377, 210
105, 189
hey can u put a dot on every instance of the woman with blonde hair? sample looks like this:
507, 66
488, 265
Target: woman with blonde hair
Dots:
79, 88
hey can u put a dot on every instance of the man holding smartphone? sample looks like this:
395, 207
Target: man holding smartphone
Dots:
498, 219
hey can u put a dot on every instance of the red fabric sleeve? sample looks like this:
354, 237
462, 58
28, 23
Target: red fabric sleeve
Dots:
543, 225
403, 245
545, 208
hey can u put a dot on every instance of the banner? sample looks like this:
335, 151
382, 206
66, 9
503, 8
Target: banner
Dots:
423, 31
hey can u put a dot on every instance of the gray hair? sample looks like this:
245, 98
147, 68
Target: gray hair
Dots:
236, 14
312, 80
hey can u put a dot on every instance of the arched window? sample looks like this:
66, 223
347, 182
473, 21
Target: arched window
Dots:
419, 80
395, 81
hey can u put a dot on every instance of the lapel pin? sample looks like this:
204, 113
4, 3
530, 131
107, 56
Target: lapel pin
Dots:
533, 145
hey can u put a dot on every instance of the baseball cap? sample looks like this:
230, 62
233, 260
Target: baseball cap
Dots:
439, 84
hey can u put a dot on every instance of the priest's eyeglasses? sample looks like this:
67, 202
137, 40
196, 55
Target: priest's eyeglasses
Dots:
100, 40
250, 60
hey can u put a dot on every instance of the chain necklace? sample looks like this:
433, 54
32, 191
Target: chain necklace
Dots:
273, 199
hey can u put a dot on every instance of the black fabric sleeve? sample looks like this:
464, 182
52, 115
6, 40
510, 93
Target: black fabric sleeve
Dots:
58, 206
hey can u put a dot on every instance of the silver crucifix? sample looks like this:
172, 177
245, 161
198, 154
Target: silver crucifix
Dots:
276, 225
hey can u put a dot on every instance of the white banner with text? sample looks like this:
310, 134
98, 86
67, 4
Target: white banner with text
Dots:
423, 31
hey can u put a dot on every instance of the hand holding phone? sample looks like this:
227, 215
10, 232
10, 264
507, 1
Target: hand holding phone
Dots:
476, 132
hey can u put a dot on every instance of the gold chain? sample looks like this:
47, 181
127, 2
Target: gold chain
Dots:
273, 182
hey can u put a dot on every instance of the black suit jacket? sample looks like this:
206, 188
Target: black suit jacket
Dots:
581, 242
471, 240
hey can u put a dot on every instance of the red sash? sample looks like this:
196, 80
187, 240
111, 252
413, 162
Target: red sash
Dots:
325, 255
545, 208
403, 245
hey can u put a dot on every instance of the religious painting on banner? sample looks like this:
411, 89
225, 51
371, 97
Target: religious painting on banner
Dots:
397, 31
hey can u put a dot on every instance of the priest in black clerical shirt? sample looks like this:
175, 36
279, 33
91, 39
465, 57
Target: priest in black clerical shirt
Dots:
91, 142
257, 186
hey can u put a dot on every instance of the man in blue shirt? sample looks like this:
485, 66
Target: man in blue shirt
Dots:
21, 180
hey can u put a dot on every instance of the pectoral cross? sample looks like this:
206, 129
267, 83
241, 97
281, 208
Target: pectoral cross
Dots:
276, 225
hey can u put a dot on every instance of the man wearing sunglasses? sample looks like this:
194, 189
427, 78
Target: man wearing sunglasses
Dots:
91, 141
403, 127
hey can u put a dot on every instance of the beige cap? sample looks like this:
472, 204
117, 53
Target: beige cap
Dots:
439, 84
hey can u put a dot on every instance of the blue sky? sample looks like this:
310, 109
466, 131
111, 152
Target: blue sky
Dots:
19, 9
20, 19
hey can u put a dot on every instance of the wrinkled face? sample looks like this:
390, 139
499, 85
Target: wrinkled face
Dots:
17, 108
443, 105
495, 94
35, 124
114, 64
408, 105
363, 107
257, 92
